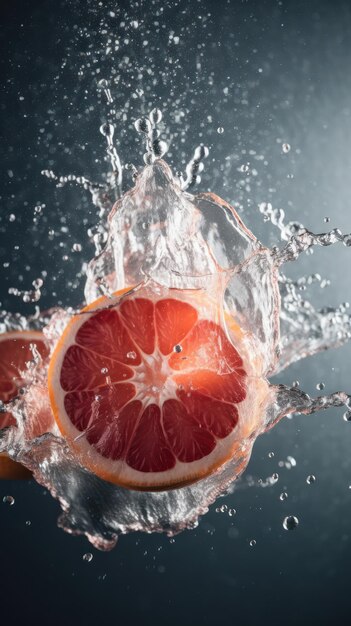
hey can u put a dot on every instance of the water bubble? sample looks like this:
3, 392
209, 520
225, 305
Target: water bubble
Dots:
290, 522
104, 370
131, 355
320, 386
310, 479
103, 83
231, 512
270, 455
76, 247
220, 130
275, 477
286, 148
201, 152
253, 543
9, 500
88, 557
244, 168
142, 125
347, 416
326, 220
155, 116
107, 130
12, 217
177, 348
160, 148
37, 283
28, 522
283, 496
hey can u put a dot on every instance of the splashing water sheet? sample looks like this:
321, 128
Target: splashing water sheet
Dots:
155, 240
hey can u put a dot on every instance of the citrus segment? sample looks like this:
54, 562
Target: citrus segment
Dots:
16, 351
106, 335
83, 369
138, 317
174, 319
149, 391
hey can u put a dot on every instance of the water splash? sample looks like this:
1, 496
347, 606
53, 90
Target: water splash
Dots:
160, 232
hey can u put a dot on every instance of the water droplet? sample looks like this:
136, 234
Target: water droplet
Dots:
28, 522
88, 557
231, 512
320, 386
12, 217
326, 220
104, 370
270, 455
37, 283
107, 130
244, 168
177, 348
155, 116
131, 355
347, 416
253, 543
76, 247
275, 477
103, 83
283, 496
142, 125
310, 479
290, 522
9, 500
286, 148
220, 130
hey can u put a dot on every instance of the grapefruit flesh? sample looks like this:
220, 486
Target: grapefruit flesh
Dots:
16, 350
149, 391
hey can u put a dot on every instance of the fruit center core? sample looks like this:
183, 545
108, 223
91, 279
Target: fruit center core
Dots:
153, 378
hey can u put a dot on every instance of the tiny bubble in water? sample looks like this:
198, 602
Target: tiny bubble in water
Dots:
320, 386
326, 220
177, 348
283, 496
88, 557
253, 543
286, 148
270, 455
131, 355
220, 130
9, 500
347, 416
290, 522
103, 83
310, 479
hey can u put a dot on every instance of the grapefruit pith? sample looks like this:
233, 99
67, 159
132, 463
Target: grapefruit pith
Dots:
149, 390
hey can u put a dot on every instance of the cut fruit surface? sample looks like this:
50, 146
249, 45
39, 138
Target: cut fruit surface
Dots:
16, 351
148, 388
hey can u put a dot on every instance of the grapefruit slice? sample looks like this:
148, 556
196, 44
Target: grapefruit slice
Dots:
149, 390
16, 349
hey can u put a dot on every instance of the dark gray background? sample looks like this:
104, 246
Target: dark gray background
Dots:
287, 69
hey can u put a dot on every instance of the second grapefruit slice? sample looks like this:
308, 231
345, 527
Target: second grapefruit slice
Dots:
148, 388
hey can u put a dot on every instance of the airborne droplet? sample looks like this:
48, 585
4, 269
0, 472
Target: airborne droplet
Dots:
290, 522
